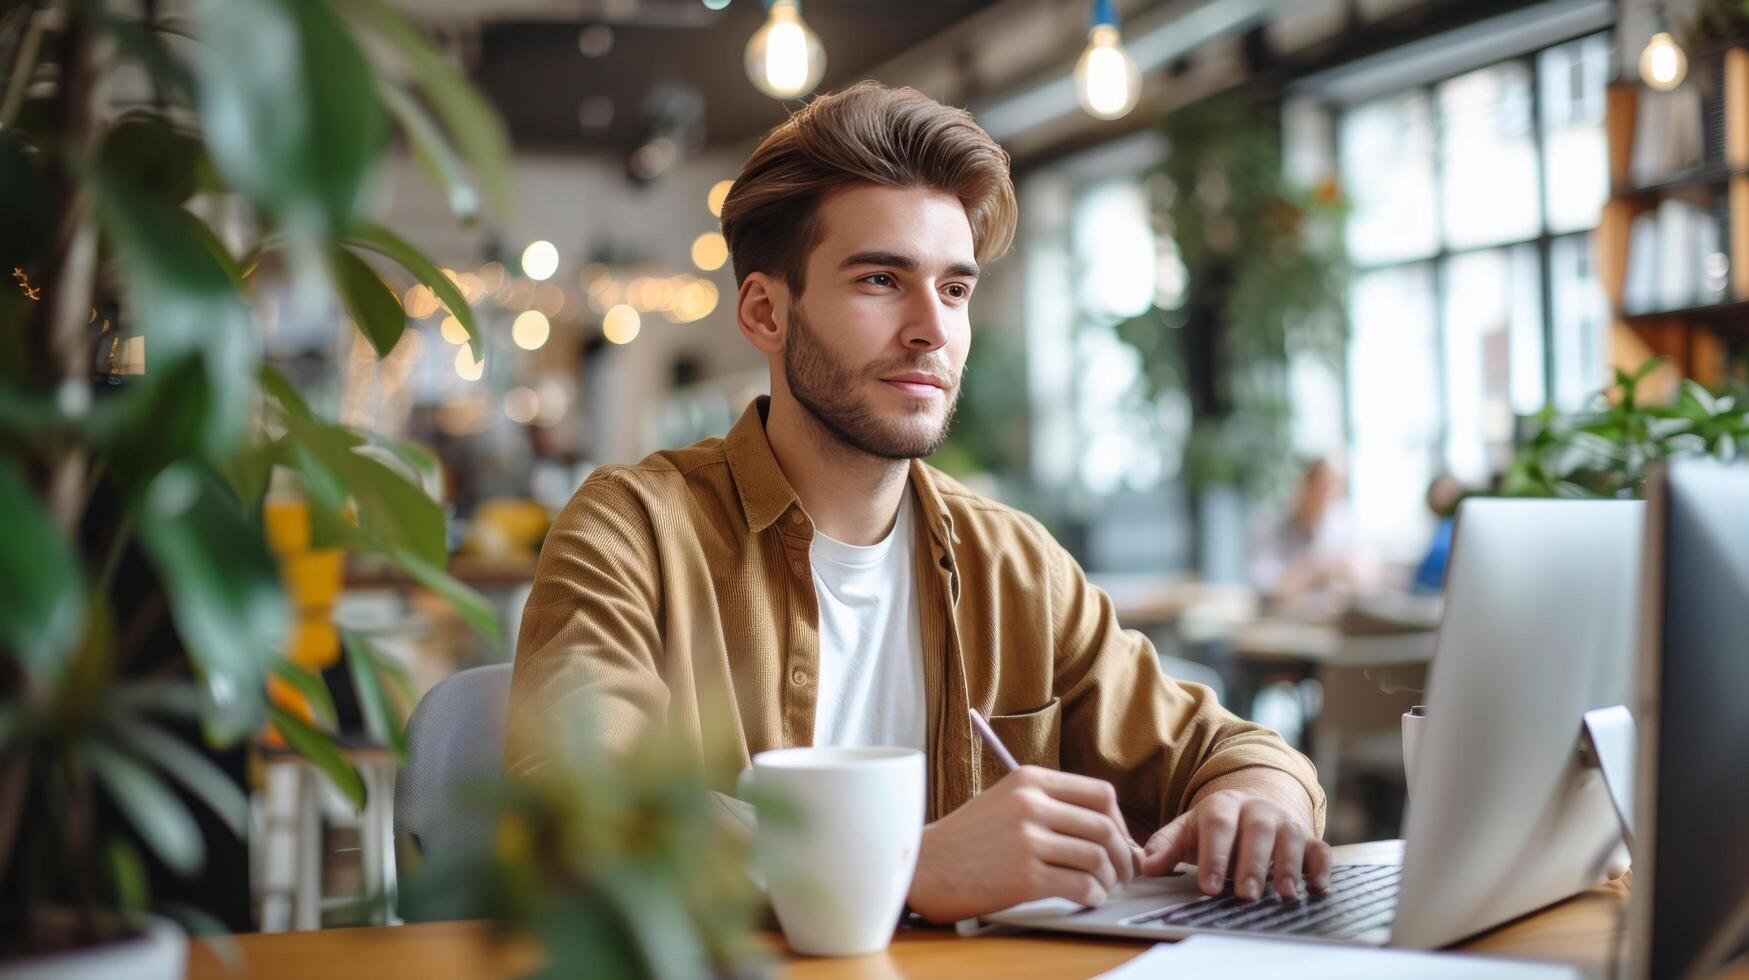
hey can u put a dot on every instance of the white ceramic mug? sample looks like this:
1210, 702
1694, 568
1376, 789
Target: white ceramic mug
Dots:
1414, 722
838, 857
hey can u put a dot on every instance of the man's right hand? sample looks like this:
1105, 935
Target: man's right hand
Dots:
1037, 833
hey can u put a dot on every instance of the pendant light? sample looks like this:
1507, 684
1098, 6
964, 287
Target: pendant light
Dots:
784, 58
1663, 64
1106, 80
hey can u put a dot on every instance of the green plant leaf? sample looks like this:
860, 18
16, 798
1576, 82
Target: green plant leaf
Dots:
402, 680
386, 243
248, 473
151, 157
474, 127
381, 717
423, 464
665, 934
160, 818
185, 764
432, 153
312, 687
202, 347
471, 605
128, 874
322, 751
223, 589
372, 304
397, 514
40, 615
285, 99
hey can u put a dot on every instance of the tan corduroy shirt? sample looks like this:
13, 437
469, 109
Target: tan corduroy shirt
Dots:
684, 580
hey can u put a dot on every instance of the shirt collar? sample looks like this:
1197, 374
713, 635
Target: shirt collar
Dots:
766, 494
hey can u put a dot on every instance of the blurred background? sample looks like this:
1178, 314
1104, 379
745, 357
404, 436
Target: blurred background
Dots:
1291, 279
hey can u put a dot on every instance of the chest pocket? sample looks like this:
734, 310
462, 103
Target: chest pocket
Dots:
1034, 737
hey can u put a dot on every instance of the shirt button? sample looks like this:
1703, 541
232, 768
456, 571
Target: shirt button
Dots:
795, 517
801, 567
798, 677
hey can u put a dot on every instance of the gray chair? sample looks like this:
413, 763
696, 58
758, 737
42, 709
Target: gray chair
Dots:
455, 737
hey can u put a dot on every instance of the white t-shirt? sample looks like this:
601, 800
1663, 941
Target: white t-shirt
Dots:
871, 650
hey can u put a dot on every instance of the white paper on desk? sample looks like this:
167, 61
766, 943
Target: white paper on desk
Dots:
1236, 958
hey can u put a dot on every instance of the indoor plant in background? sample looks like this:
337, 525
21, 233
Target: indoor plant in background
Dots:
153, 172
1605, 451
1264, 278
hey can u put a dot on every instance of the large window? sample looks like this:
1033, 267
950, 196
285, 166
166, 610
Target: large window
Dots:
1474, 300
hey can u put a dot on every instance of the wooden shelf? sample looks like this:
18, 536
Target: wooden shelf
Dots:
1724, 318
1712, 176
1697, 339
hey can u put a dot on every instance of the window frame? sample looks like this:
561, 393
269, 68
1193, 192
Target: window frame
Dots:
1544, 241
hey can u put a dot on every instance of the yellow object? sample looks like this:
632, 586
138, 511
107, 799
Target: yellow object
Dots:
314, 643
313, 578
289, 698
287, 522
507, 526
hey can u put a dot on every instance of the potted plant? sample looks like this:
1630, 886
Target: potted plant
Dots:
154, 171
610, 865
1605, 451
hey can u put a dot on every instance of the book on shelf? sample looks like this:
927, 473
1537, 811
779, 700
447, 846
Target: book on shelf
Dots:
1677, 258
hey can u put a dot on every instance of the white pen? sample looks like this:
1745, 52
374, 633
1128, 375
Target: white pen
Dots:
988, 734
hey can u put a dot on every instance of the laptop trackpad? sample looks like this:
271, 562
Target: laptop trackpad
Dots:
1141, 895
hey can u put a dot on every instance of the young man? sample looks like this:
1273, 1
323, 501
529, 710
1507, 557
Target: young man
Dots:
811, 571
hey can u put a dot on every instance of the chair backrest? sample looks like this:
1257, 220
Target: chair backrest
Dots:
455, 737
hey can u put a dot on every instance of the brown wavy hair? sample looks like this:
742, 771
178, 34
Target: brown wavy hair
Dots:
866, 134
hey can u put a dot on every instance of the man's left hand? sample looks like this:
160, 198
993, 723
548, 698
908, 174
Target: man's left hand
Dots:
1246, 823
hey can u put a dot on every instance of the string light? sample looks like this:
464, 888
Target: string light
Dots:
621, 324
491, 276
521, 405
718, 194
530, 330
1107, 82
785, 58
453, 331
540, 260
420, 302
710, 251
467, 367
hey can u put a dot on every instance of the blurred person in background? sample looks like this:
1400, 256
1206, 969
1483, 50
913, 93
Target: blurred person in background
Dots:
811, 571
1443, 496
1310, 561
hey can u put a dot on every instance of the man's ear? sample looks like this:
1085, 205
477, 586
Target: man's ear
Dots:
758, 311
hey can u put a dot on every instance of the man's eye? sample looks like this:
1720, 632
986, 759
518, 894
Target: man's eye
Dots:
958, 291
880, 279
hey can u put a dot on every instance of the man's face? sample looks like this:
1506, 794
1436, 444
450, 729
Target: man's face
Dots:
876, 343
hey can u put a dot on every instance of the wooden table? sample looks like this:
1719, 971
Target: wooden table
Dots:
1585, 930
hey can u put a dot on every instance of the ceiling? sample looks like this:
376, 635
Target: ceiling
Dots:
672, 67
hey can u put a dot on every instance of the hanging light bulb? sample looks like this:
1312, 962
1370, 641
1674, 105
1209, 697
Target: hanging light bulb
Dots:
1106, 79
784, 58
1663, 64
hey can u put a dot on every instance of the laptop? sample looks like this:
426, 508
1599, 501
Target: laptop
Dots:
1504, 817
1690, 912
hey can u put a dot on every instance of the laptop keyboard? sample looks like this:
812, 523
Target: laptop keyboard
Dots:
1362, 897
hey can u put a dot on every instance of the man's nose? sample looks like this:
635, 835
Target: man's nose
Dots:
926, 323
